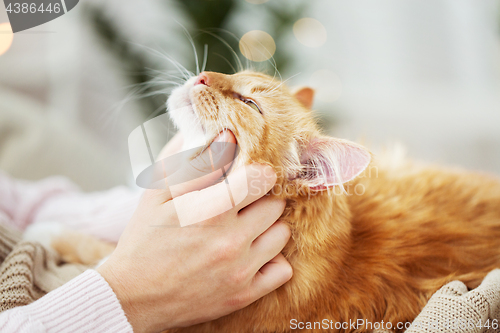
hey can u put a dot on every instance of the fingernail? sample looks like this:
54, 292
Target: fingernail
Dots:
222, 142
222, 135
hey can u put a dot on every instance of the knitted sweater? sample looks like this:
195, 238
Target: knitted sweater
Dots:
35, 295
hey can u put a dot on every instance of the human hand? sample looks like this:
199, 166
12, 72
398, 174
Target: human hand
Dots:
168, 276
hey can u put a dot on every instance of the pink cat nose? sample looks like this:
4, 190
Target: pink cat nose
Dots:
202, 79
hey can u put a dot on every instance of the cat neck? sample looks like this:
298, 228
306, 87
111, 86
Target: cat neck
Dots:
320, 244
319, 220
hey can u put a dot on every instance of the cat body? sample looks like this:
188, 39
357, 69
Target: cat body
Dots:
378, 256
371, 240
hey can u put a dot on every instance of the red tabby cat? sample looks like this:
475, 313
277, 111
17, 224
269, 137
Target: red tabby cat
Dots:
370, 240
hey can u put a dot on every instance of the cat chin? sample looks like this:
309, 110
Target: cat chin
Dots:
184, 117
193, 138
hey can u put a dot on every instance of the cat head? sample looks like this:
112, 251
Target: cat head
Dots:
272, 124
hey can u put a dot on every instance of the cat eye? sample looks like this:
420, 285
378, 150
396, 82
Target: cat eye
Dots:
251, 103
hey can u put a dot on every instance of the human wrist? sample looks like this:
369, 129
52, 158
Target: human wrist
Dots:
126, 294
84, 304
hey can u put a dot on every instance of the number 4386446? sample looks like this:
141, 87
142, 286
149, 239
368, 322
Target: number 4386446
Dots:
25, 8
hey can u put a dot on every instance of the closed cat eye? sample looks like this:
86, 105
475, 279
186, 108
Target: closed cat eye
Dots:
252, 104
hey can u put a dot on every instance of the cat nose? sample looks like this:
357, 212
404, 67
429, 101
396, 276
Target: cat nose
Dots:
202, 79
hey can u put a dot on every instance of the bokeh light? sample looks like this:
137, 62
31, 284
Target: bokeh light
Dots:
257, 45
257, 2
327, 85
6, 37
310, 32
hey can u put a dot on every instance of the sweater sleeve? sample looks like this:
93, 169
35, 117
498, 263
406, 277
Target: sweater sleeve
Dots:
85, 304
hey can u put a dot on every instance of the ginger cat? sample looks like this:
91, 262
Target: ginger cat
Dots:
370, 240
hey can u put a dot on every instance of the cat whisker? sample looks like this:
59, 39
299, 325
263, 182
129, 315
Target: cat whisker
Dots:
156, 112
275, 66
205, 57
246, 50
237, 58
227, 61
184, 72
241, 44
112, 113
167, 73
191, 41
282, 82
270, 59
137, 92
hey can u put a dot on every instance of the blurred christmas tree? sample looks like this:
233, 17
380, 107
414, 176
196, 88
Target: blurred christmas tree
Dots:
209, 21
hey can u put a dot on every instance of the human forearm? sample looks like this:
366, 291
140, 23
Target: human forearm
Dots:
84, 304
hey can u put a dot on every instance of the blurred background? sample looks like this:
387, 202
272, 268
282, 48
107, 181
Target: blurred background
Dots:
424, 73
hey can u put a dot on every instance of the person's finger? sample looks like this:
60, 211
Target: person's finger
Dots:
260, 215
270, 243
260, 180
172, 147
182, 174
207, 168
226, 196
271, 276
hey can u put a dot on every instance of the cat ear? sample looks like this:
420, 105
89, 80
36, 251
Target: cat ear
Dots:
305, 96
327, 162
